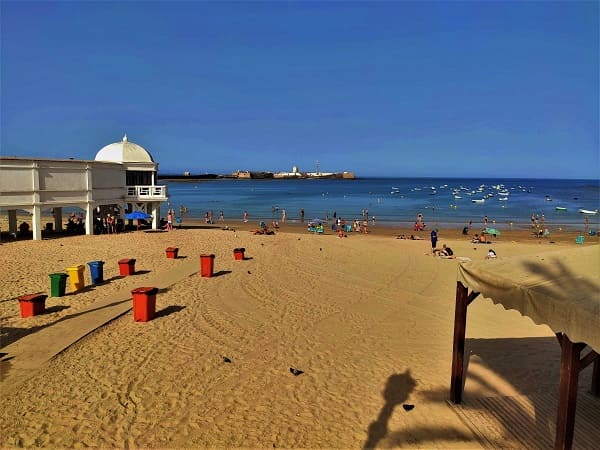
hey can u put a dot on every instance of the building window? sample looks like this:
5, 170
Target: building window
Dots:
138, 178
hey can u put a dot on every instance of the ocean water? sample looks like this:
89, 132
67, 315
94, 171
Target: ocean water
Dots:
394, 201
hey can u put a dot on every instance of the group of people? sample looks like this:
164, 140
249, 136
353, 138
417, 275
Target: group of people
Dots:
447, 252
108, 224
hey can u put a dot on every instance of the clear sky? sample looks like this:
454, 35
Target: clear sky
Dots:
506, 89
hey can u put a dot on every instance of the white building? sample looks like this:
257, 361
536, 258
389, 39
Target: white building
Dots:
122, 177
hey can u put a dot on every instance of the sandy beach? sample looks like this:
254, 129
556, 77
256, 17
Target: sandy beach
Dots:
368, 319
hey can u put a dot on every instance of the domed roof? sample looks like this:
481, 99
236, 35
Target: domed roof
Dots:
124, 151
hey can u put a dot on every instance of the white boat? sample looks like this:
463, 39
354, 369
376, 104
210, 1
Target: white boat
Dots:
503, 199
587, 211
478, 200
457, 196
561, 208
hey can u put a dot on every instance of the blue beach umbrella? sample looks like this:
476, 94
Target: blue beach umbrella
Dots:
139, 215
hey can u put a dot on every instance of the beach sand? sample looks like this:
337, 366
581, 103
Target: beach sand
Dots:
367, 318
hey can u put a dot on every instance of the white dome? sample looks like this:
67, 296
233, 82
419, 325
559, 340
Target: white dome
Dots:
124, 151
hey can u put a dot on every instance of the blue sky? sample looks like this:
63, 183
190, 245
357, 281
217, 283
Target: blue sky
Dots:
504, 89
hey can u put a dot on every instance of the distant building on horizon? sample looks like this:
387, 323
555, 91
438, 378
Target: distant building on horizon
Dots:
295, 173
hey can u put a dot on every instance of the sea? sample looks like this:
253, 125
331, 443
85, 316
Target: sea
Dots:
444, 202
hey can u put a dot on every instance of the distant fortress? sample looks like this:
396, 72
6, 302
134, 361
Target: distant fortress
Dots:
254, 175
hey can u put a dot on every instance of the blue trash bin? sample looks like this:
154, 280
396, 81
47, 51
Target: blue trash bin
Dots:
97, 271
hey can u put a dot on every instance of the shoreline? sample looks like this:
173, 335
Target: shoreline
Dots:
520, 232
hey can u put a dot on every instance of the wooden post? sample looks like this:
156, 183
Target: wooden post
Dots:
596, 377
458, 347
567, 392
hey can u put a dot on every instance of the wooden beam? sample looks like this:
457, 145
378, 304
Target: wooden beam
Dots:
472, 296
567, 392
458, 347
587, 359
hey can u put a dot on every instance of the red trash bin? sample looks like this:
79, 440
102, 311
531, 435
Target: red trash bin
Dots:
172, 252
126, 266
144, 303
32, 304
238, 253
207, 265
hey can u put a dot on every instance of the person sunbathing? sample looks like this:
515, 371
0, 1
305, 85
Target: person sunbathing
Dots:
445, 252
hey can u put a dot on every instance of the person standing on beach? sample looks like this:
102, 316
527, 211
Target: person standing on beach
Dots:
221, 216
283, 216
434, 239
302, 215
586, 223
169, 221
245, 216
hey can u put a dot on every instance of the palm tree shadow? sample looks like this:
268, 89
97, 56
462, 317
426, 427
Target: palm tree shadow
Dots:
397, 390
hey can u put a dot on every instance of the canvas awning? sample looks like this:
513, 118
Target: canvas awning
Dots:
560, 289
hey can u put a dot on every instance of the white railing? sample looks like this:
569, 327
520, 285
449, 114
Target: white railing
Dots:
147, 192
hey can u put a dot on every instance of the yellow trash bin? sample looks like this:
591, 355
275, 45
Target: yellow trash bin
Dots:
76, 277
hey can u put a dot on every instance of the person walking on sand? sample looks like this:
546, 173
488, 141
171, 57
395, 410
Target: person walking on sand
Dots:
283, 216
245, 216
221, 217
169, 221
434, 239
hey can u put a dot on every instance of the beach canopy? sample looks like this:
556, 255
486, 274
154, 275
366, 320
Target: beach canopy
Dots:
560, 289
139, 215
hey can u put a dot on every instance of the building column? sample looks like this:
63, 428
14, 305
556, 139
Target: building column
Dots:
12, 221
36, 210
58, 220
89, 219
155, 215
36, 222
89, 205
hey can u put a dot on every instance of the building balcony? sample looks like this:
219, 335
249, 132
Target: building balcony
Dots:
147, 193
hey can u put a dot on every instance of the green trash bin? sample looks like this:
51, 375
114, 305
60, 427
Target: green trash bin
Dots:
58, 284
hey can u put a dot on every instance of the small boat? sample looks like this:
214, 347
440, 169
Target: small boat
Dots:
457, 196
587, 211
503, 199
478, 200
561, 208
